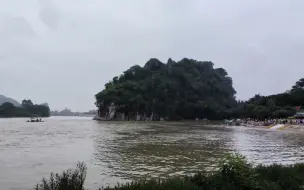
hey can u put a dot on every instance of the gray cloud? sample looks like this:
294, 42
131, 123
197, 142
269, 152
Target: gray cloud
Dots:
62, 52
15, 27
49, 16
49, 13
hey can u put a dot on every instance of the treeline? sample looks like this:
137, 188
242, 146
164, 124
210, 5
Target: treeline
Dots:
281, 105
232, 173
188, 89
27, 109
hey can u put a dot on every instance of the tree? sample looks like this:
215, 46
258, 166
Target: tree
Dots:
283, 113
28, 109
185, 89
261, 112
7, 109
274, 106
299, 84
189, 89
26, 103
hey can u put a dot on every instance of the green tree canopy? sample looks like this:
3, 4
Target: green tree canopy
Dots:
27, 109
274, 106
26, 103
185, 89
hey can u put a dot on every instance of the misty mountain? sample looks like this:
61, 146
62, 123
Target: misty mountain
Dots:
4, 99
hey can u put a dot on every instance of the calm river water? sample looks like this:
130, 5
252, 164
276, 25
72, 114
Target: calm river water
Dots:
120, 151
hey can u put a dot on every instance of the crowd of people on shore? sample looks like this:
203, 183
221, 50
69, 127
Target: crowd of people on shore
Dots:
269, 122
266, 122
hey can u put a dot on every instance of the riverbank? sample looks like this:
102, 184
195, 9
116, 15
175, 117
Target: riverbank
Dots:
282, 127
219, 123
233, 172
278, 127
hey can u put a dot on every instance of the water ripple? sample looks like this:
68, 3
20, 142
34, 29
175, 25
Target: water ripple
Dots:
122, 151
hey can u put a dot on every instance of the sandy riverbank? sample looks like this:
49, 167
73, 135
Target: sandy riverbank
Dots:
280, 127
288, 127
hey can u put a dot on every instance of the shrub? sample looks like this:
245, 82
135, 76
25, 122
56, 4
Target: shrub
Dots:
233, 172
68, 180
282, 177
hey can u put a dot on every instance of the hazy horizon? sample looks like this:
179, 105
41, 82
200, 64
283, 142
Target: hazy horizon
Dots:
63, 52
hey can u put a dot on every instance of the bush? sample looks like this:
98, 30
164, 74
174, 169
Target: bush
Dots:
68, 180
284, 177
170, 184
233, 173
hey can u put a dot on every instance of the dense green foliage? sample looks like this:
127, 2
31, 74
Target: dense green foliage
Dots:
274, 106
27, 109
186, 89
233, 173
68, 180
190, 89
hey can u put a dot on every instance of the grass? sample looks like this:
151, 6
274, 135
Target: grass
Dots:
234, 172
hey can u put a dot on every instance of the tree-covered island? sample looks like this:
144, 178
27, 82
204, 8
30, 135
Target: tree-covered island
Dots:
187, 89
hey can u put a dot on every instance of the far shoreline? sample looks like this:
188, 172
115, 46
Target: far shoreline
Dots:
215, 123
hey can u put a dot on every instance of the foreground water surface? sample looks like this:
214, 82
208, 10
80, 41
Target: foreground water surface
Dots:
121, 151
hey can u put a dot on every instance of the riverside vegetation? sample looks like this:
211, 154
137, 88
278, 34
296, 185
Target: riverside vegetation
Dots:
189, 89
27, 109
233, 172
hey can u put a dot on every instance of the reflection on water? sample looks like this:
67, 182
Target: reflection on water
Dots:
119, 151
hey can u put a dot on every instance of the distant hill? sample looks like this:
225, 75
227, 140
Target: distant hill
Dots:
4, 99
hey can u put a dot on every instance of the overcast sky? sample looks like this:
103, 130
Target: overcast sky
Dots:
64, 51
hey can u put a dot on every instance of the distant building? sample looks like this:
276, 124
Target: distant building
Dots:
300, 112
68, 112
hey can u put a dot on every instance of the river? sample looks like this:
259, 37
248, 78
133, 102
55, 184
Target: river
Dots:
121, 151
